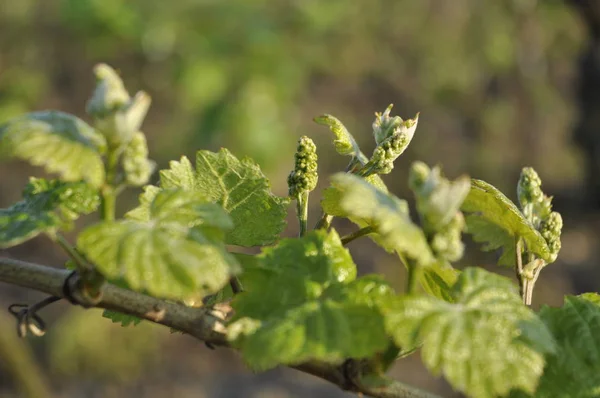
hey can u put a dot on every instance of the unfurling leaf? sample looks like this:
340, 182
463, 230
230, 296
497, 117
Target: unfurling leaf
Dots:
61, 143
176, 253
485, 342
344, 142
117, 116
47, 206
393, 135
494, 219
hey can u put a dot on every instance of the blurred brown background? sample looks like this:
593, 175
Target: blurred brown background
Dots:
499, 84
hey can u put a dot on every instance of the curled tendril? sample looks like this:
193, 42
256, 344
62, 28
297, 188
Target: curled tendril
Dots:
28, 319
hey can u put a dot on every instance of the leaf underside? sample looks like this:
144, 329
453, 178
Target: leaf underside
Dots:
167, 255
59, 142
494, 220
47, 207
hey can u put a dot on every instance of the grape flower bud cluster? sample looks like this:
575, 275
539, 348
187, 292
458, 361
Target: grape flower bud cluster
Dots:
392, 135
537, 209
136, 165
304, 177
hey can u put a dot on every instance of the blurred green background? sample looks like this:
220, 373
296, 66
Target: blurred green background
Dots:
499, 84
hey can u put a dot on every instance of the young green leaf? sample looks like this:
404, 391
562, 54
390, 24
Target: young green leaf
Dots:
296, 270
496, 220
59, 142
142, 212
574, 371
175, 254
483, 342
301, 302
323, 330
239, 187
328, 328
364, 204
345, 144
47, 206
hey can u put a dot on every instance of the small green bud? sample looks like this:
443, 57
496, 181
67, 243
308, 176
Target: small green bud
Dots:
117, 116
544, 208
136, 165
304, 177
419, 173
551, 229
535, 205
447, 243
380, 162
529, 187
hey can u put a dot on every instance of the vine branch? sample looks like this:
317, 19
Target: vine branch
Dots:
205, 324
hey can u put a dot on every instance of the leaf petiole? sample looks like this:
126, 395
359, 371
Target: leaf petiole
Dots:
93, 280
109, 191
519, 266
413, 276
357, 234
236, 285
324, 222
72, 253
